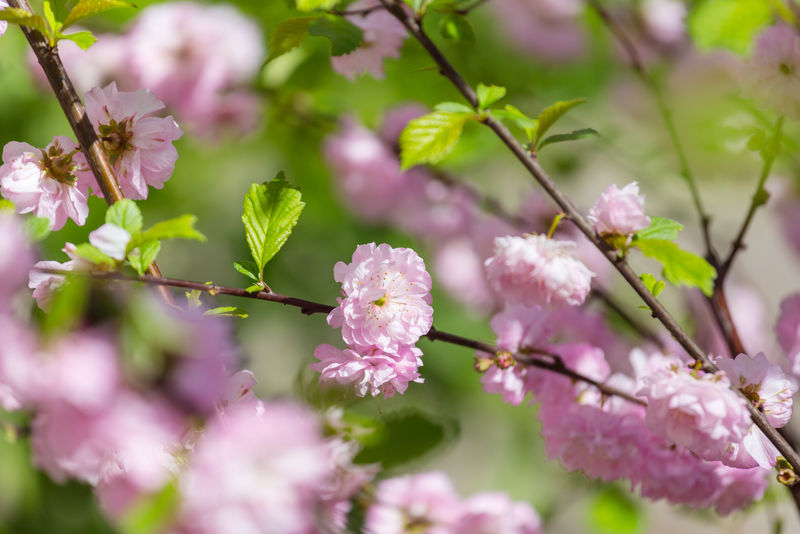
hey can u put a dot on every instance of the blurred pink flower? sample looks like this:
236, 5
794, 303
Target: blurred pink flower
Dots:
369, 370
664, 19
535, 270
3, 24
344, 481
495, 513
460, 271
619, 211
383, 38
19, 370
739, 487
773, 76
16, 255
550, 30
788, 330
51, 182
395, 120
44, 285
138, 144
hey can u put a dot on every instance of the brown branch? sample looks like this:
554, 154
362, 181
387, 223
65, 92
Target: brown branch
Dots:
572, 213
75, 112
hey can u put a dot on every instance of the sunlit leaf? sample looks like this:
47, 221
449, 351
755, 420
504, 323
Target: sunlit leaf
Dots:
88, 8
227, 311
457, 28
428, 139
24, 18
730, 24
489, 94
660, 228
144, 255
571, 136
343, 34
680, 267
125, 214
551, 115
178, 228
287, 35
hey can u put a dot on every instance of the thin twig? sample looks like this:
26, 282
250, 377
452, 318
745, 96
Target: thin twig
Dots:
577, 218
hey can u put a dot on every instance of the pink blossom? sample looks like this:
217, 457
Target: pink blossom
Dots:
111, 240
774, 70
739, 487
387, 298
344, 481
425, 501
459, 270
495, 513
51, 182
664, 19
239, 390
699, 412
370, 370
511, 383
3, 24
19, 371
138, 144
383, 37
546, 29
535, 270
16, 256
44, 285
256, 473
619, 211
788, 330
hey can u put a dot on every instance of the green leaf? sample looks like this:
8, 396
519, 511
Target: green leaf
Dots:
270, 212
660, 228
287, 35
255, 288
489, 94
227, 311
152, 513
22, 17
551, 115
93, 255
453, 107
428, 139
178, 228
680, 266
653, 284
37, 228
613, 512
247, 268
343, 34
510, 113
6, 205
88, 8
571, 136
144, 255
730, 24
125, 214
82, 39
456, 28
311, 5
50, 17
406, 436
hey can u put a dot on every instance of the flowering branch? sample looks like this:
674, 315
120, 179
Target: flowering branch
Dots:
573, 214
307, 307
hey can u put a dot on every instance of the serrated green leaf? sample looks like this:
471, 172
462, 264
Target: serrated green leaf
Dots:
125, 214
653, 284
287, 35
571, 136
93, 255
453, 107
311, 5
428, 139
731, 24
83, 39
551, 115
144, 255
613, 512
227, 311
247, 268
660, 228
343, 34
178, 228
37, 228
489, 94
25, 18
680, 267
510, 113
270, 213
151, 513
88, 8
456, 28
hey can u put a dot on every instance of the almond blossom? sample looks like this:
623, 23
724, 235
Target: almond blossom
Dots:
138, 144
52, 182
619, 211
16, 255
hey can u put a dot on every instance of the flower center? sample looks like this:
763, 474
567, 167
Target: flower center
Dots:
380, 302
116, 138
751, 392
58, 165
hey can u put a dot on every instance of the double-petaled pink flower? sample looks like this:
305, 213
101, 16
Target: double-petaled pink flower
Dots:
619, 211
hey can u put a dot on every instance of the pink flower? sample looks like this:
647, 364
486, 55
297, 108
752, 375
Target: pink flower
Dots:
383, 37
700, 413
535, 270
51, 182
738, 488
619, 211
44, 285
111, 240
19, 370
459, 270
664, 19
345, 480
788, 330
256, 473
496, 513
765, 384
397, 118
138, 145
774, 70
387, 298
3, 24
16, 256
369, 370
546, 29
425, 502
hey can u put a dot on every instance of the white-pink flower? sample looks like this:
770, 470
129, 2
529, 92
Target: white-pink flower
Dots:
383, 37
369, 371
387, 300
774, 70
495, 513
138, 144
51, 182
19, 371
788, 330
536, 270
619, 211
16, 255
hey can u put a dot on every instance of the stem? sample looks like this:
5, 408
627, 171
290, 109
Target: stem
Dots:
78, 119
572, 213
308, 307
